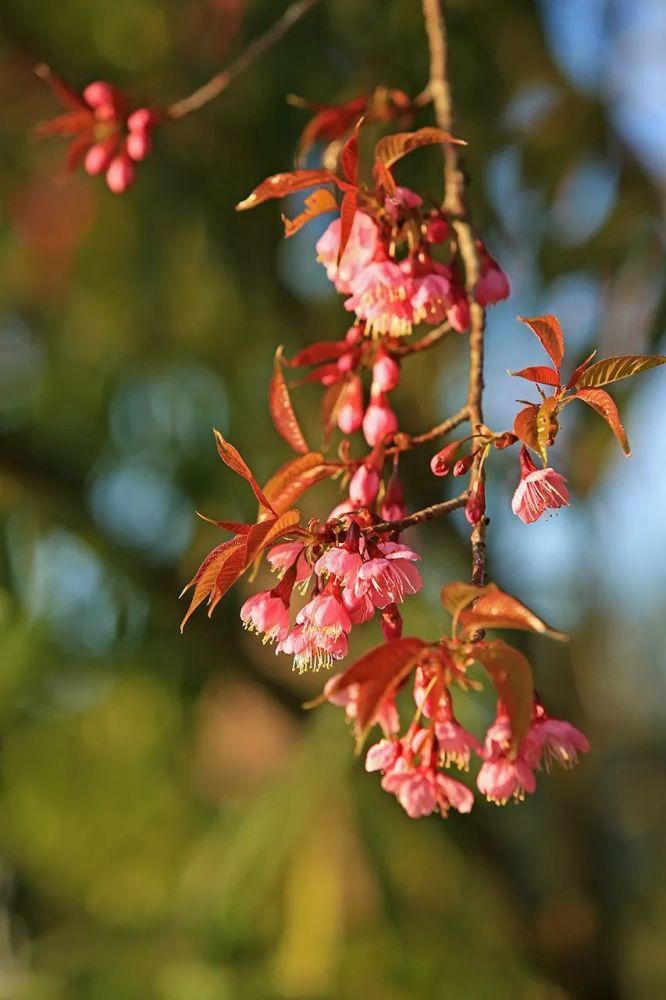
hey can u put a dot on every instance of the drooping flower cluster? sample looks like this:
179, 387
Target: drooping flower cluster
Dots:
105, 135
347, 584
388, 271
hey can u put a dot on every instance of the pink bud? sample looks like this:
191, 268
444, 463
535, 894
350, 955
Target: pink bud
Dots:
107, 113
385, 373
350, 414
476, 504
493, 284
364, 486
141, 120
463, 464
100, 92
99, 157
120, 174
347, 362
441, 462
138, 145
437, 230
379, 421
458, 314
393, 505
354, 334
391, 622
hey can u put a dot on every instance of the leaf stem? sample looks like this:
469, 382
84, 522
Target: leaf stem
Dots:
254, 51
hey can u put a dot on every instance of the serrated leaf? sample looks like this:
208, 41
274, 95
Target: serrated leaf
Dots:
577, 372
378, 675
347, 213
605, 406
332, 400
616, 368
203, 580
235, 527
525, 426
349, 154
496, 609
320, 201
281, 409
511, 674
543, 425
294, 478
391, 148
280, 185
231, 457
549, 333
540, 373
457, 596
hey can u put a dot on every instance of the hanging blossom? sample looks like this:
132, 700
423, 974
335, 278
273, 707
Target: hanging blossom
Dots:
539, 490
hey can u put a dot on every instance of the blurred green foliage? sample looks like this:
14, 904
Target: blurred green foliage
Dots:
172, 825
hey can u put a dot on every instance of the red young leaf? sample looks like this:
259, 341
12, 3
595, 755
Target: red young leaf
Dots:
495, 609
347, 213
282, 411
320, 201
577, 372
235, 527
623, 366
540, 373
512, 676
231, 457
230, 571
457, 596
332, 400
331, 121
605, 406
525, 426
549, 332
314, 354
349, 155
280, 185
391, 148
296, 477
203, 580
377, 675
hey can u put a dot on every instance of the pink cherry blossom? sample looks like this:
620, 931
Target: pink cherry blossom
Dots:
538, 490
359, 252
560, 742
313, 649
341, 563
420, 790
283, 556
493, 284
501, 779
386, 718
268, 614
456, 745
324, 615
383, 755
380, 296
431, 298
389, 578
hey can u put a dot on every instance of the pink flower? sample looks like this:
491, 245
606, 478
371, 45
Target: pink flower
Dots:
364, 486
359, 252
402, 198
386, 717
283, 556
420, 790
380, 296
456, 745
385, 373
313, 649
379, 421
431, 298
268, 614
339, 562
393, 506
493, 284
341, 509
538, 490
389, 578
360, 608
350, 412
324, 615
383, 755
500, 777
560, 742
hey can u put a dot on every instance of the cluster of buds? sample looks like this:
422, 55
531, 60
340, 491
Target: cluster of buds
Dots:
390, 275
105, 135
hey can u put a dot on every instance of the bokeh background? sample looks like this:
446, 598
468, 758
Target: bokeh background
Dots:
172, 824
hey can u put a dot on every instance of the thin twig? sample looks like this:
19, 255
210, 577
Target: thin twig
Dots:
455, 204
419, 516
406, 443
431, 338
252, 53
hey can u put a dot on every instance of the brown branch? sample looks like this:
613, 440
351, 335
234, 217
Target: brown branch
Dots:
245, 60
419, 516
431, 338
455, 204
406, 443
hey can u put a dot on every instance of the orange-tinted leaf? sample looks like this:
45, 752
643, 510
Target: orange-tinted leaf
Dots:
457, 596
391, 148
347, 213
230, 571
280, 185
296, 477
540, 373
377, 675
512, 676
577, 372
203, 580
495, 609
314, 354
320, 201
332, 400
330, 121
544, 423
549, 332
282, 411
235, 527
231, 457
525, 426
623, 366
605, 406
349, 155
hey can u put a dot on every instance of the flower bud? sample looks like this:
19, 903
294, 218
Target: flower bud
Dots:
385, 373
440, 463
393, 504
458, 313
138, 145
100, 93
350, 414
476, 504
99, 157
141, 120
379, 421
463, 464
364, 486
391, 622
120, 174
437, 229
